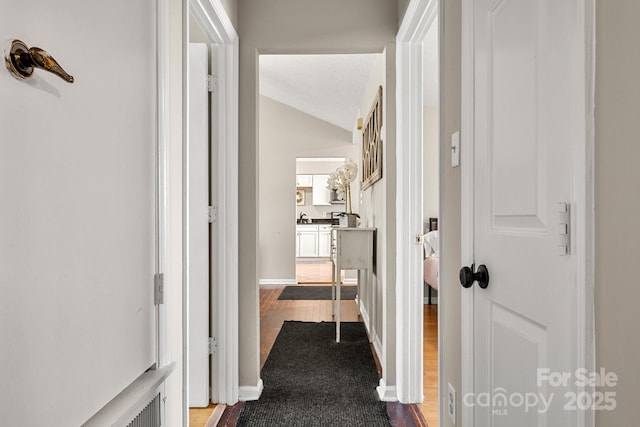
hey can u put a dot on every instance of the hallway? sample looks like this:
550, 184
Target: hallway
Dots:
274, 312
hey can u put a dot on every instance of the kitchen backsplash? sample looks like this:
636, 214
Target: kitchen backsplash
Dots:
313, 211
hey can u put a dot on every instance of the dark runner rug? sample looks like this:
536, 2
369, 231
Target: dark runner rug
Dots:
310, 380
316, 293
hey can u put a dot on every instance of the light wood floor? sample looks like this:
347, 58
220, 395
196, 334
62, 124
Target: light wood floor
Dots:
314, 271
429, 407
274, 312
198, 417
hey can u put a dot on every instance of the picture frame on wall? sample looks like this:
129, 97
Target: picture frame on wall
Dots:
372, 144
300, 197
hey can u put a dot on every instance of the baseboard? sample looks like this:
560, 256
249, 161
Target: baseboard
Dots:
377, 346
365, 317
387, 393
434, 300
246, 393
278, 282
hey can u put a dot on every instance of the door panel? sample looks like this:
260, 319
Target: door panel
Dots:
513, 105
198, 226
523, 133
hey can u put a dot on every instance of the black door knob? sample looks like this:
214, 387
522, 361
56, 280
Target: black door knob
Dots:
468, 276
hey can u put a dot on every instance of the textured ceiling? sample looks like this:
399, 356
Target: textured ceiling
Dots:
331, 87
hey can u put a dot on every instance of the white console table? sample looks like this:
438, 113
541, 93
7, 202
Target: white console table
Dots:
351, 249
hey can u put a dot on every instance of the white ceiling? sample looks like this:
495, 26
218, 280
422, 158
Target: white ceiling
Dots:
331, 87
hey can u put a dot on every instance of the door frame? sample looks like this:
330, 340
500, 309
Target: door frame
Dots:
583, 224
419, 17
212, 17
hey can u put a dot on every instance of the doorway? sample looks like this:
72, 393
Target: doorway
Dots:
420, 193
301, 142
317, 209
215, 344
431, 165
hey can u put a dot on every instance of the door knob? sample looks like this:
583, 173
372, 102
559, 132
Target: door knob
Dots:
468, 276
21, 60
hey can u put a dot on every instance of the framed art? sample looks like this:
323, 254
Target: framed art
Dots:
300, 197
372, 144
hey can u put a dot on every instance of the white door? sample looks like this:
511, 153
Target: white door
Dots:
526, 107
78, 210
198, 226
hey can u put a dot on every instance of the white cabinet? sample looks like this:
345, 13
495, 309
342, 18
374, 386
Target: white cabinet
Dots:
324, 241
308, 244
307, 240
313, 241
304, 180
321, 194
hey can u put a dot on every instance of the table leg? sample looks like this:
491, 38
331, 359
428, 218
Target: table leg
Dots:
333, 288
360, 274
338, 307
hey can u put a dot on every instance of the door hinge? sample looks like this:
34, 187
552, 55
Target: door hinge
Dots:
212, 83
213, 214
158, 288
564, 229
213, 346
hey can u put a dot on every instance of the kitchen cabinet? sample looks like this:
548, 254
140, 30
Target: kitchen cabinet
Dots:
313, 241
324, 241
304, 181
307, 240
320, 192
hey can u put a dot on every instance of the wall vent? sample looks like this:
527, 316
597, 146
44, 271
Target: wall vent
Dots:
149, 416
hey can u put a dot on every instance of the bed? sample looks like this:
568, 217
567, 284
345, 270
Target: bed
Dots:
431, 262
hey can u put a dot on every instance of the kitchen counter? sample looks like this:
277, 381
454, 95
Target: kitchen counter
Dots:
317, 221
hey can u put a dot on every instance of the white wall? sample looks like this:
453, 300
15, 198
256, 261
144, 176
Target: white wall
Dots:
377, 209
175, 405
285, 134
449, 222
287, 26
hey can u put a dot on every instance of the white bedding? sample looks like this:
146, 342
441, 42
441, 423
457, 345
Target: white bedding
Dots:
431, 261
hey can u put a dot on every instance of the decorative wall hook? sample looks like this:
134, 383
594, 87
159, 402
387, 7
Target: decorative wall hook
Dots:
21, 60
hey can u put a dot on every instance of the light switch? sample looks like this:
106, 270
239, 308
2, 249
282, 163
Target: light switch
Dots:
455, 149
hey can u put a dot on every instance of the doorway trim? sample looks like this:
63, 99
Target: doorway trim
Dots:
212, 17
419, 17
583, 231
